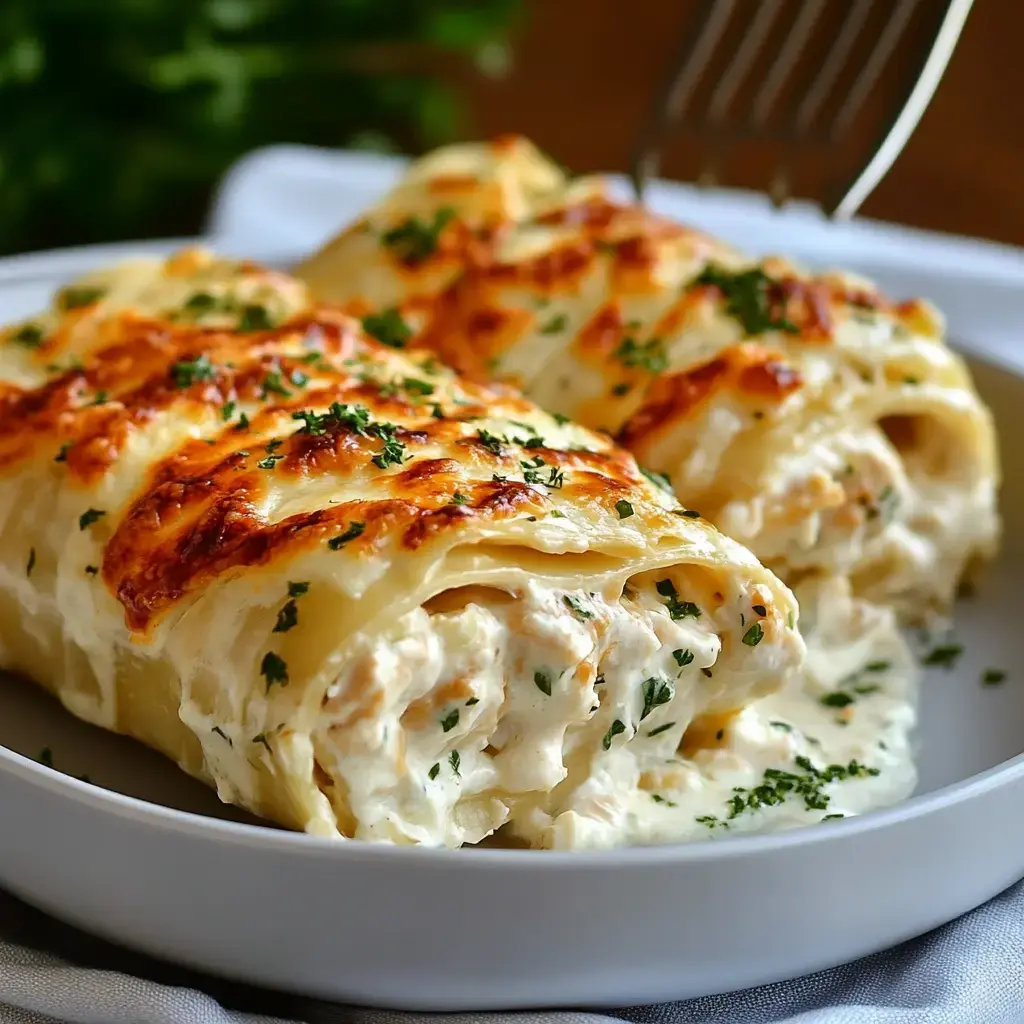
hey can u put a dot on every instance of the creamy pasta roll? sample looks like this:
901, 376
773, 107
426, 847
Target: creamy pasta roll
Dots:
358, 595
827, 428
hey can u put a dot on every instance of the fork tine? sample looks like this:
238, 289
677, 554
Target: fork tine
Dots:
786, 59
746, 53
897, 21
907, 114
832, 65
672, 99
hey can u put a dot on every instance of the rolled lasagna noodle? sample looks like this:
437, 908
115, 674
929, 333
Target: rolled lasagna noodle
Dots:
827, 428
359, 596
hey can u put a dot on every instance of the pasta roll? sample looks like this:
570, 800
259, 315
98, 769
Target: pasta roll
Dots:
359, 595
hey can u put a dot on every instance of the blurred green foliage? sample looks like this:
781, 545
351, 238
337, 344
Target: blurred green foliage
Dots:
117, 116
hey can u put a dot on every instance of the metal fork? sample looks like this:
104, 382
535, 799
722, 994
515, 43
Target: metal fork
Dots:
796, 123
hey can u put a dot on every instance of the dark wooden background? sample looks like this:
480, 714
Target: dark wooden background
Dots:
585, 72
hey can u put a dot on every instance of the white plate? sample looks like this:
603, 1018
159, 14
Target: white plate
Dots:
152, 859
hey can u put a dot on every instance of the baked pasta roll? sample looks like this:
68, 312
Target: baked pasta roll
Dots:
360, 596
824, 426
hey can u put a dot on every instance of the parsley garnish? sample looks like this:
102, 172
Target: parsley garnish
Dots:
269, 462
31, 561
747, 298
455, 760
298, 378
943, 656
222, 734
658, 479
261, 737
274, 670
388, 328
990, 677
450, 720
254, 318
417, 387
274, 382
650, 356
393, 451
615, 729
777, 785
288, 616
354, 530
75, 298
660, 729
576, 607
200, 303
62, 455
759, 609
557, 323
655, 692
687, 513
228, 410
543, 681
459, 499
624, 508
676, 608
490, 441
91, 570
683, 657
781, 726
434, 770
754, 635
414, 240
560, 419
89, 516
837, 699
187, 372
31, 336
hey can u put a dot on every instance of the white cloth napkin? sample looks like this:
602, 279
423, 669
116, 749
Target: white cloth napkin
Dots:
968, 972
279, 203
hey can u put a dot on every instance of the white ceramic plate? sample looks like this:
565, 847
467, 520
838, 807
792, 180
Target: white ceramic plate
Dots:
149, 858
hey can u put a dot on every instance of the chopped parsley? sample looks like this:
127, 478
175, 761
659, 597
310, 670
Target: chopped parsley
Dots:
455, 760
747, 298
434, 771
261, 737
459, 499
557, 323
490, 441
187, 372
624, 508
759, 609
92, 570
354, 530
228, 410
274, 382
31, 561
576, 607
222, 734
990, 677
298, 378
655, 693
658, 479
75, 298
31, 336
683, 657
781, 726
943, 656
254, 318
777, 785
388, 328
62, 455
274, 670
450, 720
393, 452
288, 616
660, 729
200, 303
560, 419
615, 729
650, 356
102, 397
686, 513
89, 516
711, 821
754, 635
417, 387
837, 699
543, 681
621, 389
676, 608
414, 240
876, 666
269, 462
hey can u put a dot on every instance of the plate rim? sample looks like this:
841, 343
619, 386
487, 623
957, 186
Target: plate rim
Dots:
52, 263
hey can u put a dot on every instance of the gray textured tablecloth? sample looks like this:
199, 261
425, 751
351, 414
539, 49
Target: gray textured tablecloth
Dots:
968, 972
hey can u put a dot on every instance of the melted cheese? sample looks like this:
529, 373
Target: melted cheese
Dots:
824, 426
309, 567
